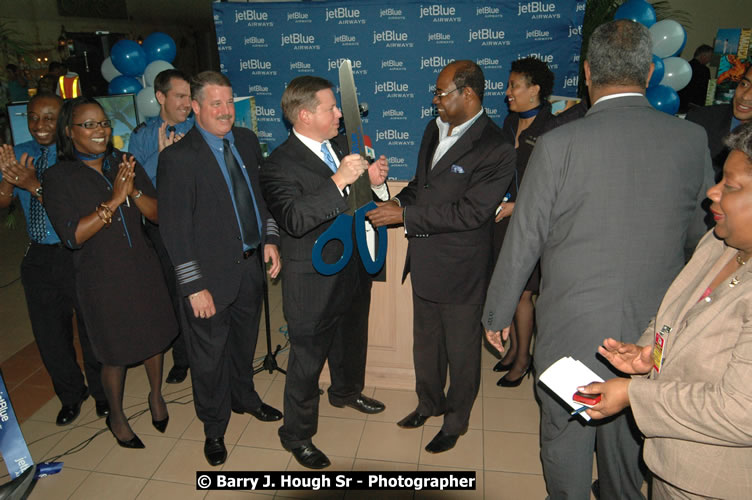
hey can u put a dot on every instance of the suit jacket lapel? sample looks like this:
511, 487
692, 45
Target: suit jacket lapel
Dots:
463, 145
210, 169
311, 159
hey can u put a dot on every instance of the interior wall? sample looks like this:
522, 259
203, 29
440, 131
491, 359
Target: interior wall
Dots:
708, 17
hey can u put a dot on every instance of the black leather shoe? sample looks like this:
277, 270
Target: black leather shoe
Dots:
501, 367
215, 451
442, 442
309, 456
363, 404
68, 414
160, 425
177, 374
134, 442
103, 408
265, 413
413, 421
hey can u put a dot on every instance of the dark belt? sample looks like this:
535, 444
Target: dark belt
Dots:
250, 252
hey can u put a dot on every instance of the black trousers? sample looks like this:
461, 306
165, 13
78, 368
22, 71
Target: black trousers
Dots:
48, 280
447, 336
179, 353
221, 349
340, 339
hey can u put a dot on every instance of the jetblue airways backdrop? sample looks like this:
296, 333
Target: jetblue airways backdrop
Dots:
397, 50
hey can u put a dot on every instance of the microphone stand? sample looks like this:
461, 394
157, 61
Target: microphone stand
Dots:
270, 360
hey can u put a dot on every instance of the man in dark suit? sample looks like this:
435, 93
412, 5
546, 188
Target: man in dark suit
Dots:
697, 88
608, 204
308, 181
464, 167
721, 119
216, 228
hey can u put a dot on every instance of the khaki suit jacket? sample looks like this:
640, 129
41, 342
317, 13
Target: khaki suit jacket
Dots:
696, 414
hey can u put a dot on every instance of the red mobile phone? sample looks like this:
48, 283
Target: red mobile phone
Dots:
586, 399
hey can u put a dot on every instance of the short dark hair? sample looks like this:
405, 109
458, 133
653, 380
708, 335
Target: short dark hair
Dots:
536, 72
204, 79
162, 80
301, 94
703, 49
55, 66
44, 95
620, 53
469, 74
65, 149
740, 139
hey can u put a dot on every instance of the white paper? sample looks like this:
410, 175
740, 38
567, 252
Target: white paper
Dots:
565, 376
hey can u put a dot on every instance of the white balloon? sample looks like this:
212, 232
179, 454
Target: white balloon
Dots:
108, 70
147, 103
677, 73
668, 37
153, 69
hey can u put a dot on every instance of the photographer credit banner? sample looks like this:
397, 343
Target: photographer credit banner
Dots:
397, 50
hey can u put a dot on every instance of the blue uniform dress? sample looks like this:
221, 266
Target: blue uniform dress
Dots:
120, 287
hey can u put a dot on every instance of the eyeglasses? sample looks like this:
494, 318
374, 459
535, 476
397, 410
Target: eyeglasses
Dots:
92, 125
438, 94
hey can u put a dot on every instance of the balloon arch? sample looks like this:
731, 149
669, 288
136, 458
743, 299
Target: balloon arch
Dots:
131, 69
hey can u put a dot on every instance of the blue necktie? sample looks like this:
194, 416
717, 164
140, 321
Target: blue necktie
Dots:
37, 222
328, 157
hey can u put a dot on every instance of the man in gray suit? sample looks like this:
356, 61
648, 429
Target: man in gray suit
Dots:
608, 204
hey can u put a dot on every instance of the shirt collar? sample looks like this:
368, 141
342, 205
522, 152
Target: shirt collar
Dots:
311, 144
459, 129
620, 94
214, 141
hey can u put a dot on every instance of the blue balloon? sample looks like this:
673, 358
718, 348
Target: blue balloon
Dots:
663, 98
658, 72
128, 57
124, 85
159, 47
638, 11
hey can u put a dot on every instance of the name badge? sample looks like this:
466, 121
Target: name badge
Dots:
660, 341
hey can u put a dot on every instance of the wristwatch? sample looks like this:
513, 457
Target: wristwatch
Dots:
38, 192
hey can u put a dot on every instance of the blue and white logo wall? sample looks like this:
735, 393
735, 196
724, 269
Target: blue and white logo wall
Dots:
397, 50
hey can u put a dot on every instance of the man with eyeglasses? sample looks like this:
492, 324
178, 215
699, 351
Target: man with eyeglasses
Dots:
465, 165
47, 267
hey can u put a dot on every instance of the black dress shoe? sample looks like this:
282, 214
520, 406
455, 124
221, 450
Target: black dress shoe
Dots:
134, 442
103, 408
68, 414
309, 456
413, 421
265, 413
363, 404
501, 367
505, 382
442, 442
215, 451
177, 374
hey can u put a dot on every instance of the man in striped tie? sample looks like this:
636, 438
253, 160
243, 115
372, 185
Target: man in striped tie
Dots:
47, 267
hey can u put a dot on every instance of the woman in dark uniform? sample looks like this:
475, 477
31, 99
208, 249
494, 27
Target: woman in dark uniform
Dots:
95, 197
530, 84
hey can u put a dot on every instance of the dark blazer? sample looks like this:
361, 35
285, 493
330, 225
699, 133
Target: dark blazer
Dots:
196, 216
449, 211
716, 120
304, 201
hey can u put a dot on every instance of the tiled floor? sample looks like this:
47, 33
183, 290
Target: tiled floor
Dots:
501, 445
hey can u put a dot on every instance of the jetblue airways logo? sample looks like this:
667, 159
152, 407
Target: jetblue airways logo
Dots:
394, 137
253, 17
575, 31
487, 11
298, 17
487, 36
571, 82
257, 67
264, 114
538, 34
392, 38
393, 114
357, 65
344, 15
539, 10
255, 41
258, 90
222, 44
488, 63
301, 67
426, 111
494, 88
391, 13
546, 58
346, 40
440, 13
436, 62
393, 65
440, 38
300, 41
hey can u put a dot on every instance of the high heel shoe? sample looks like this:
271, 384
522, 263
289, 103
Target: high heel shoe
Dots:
501, 367
505, 382
160, 425
134, 442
